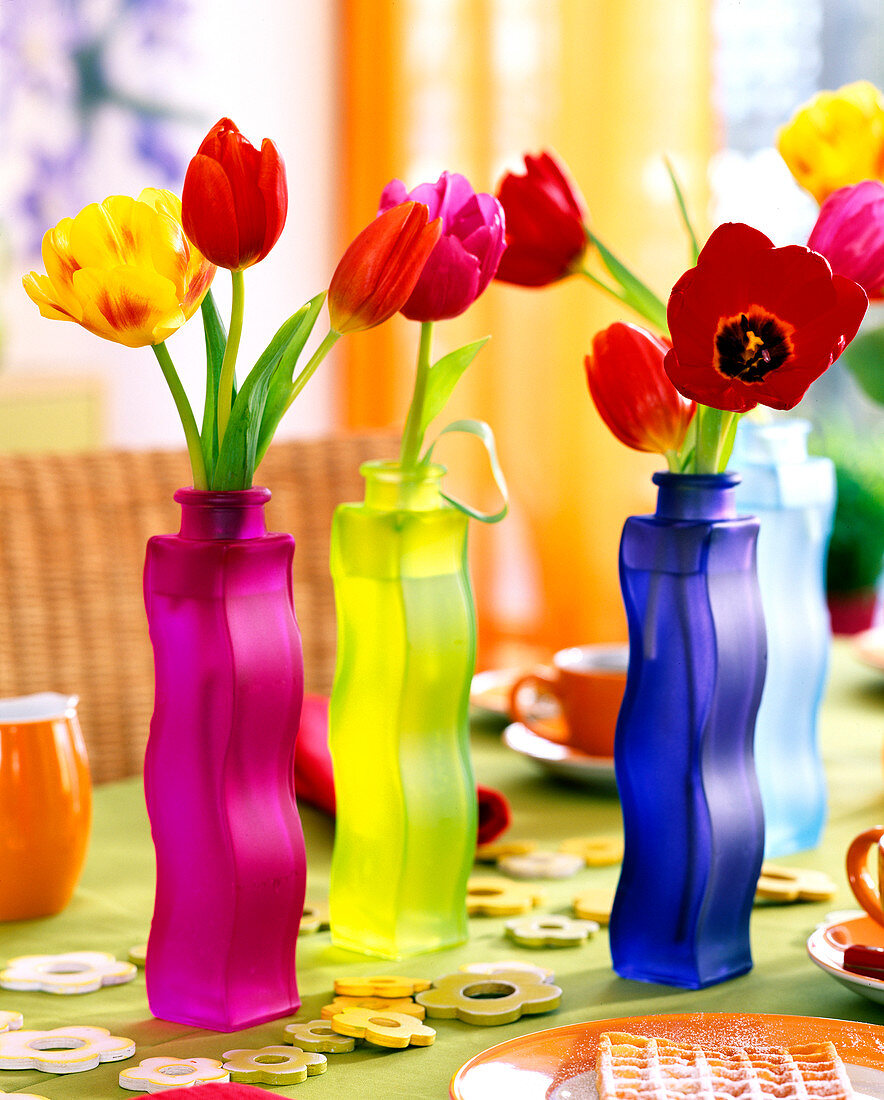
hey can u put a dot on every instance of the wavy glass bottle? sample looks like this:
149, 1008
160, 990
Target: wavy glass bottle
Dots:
694, 831
219, 767
405, 834
793, 496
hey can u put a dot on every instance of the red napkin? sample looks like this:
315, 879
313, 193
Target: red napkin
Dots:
314, 781
216, 1091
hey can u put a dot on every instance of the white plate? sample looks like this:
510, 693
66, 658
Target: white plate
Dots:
559, 1064
826, 946
559, 760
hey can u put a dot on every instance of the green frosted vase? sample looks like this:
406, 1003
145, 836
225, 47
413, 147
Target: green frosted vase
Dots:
405, 832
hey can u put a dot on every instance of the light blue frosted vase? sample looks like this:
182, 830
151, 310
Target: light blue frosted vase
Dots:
793, 496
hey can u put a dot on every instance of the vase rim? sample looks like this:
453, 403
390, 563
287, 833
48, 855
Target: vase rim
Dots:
391, 469
725, 480
220, 498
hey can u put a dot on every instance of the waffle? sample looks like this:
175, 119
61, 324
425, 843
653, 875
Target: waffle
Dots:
633, 1067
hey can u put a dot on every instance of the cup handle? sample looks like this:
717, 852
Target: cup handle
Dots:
862, 883
543, 684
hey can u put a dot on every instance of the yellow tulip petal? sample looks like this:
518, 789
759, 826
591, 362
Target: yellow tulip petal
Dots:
60, 266
199, 273
836, 139
41, 291
130, 305
166, 202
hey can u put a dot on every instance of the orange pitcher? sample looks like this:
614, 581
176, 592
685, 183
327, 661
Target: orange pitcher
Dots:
45, 804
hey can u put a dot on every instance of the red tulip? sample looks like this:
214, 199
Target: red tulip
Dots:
631, 391
849, 232
755, 325
381, 267
235, 198
545, 223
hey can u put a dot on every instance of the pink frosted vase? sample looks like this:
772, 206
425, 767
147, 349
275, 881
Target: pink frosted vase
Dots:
219, 767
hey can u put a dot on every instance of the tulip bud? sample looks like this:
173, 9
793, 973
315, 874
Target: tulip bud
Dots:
545, 224
849, 232
235, 198
381, 267
631, 391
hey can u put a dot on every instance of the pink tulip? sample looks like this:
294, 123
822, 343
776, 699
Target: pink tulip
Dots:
849, 232
466, 256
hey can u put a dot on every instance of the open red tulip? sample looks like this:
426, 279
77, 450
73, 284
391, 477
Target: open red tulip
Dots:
755, 325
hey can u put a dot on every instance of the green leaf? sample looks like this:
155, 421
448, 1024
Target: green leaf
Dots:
682, 206
281, 382
864, 358
443, 376
485, 435
238, 457
216, 342
635, 293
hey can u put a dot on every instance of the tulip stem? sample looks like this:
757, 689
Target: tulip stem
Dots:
331, 338
412, 436
715, 439
191, 431
228, 363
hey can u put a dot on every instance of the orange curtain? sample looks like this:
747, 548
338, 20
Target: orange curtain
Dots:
471, 85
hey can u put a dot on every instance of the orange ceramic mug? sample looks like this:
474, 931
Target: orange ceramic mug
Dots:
587, 682
866, 890
45, 804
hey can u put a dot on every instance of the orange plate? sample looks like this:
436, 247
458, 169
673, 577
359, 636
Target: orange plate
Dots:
538, 1066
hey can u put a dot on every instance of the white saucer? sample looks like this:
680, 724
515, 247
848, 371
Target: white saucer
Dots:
559, 760
826, 946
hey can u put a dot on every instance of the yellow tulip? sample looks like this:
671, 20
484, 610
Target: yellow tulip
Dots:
836, 139
122, 269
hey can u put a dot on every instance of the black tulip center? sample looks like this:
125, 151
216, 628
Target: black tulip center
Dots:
748, 347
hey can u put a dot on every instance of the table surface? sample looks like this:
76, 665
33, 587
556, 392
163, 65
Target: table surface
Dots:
111, 912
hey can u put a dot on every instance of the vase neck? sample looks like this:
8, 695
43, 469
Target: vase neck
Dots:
390, 488
696, 496
232, 514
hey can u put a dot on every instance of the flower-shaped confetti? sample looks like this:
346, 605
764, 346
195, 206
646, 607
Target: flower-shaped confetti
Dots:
63, 1049
395, 1030
376, 1004
318, 1036
74, 972
162, 1074
486, 1001
273, 1065
550, 931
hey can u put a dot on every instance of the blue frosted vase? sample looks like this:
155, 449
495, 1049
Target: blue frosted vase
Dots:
693, 824
793, 496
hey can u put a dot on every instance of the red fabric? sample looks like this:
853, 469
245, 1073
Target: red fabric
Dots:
314, 780
216, 1091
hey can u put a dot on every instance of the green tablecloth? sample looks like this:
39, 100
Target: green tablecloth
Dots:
111, 912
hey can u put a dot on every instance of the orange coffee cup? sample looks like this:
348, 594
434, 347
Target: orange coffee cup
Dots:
45, 804
587, 682
866, 890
